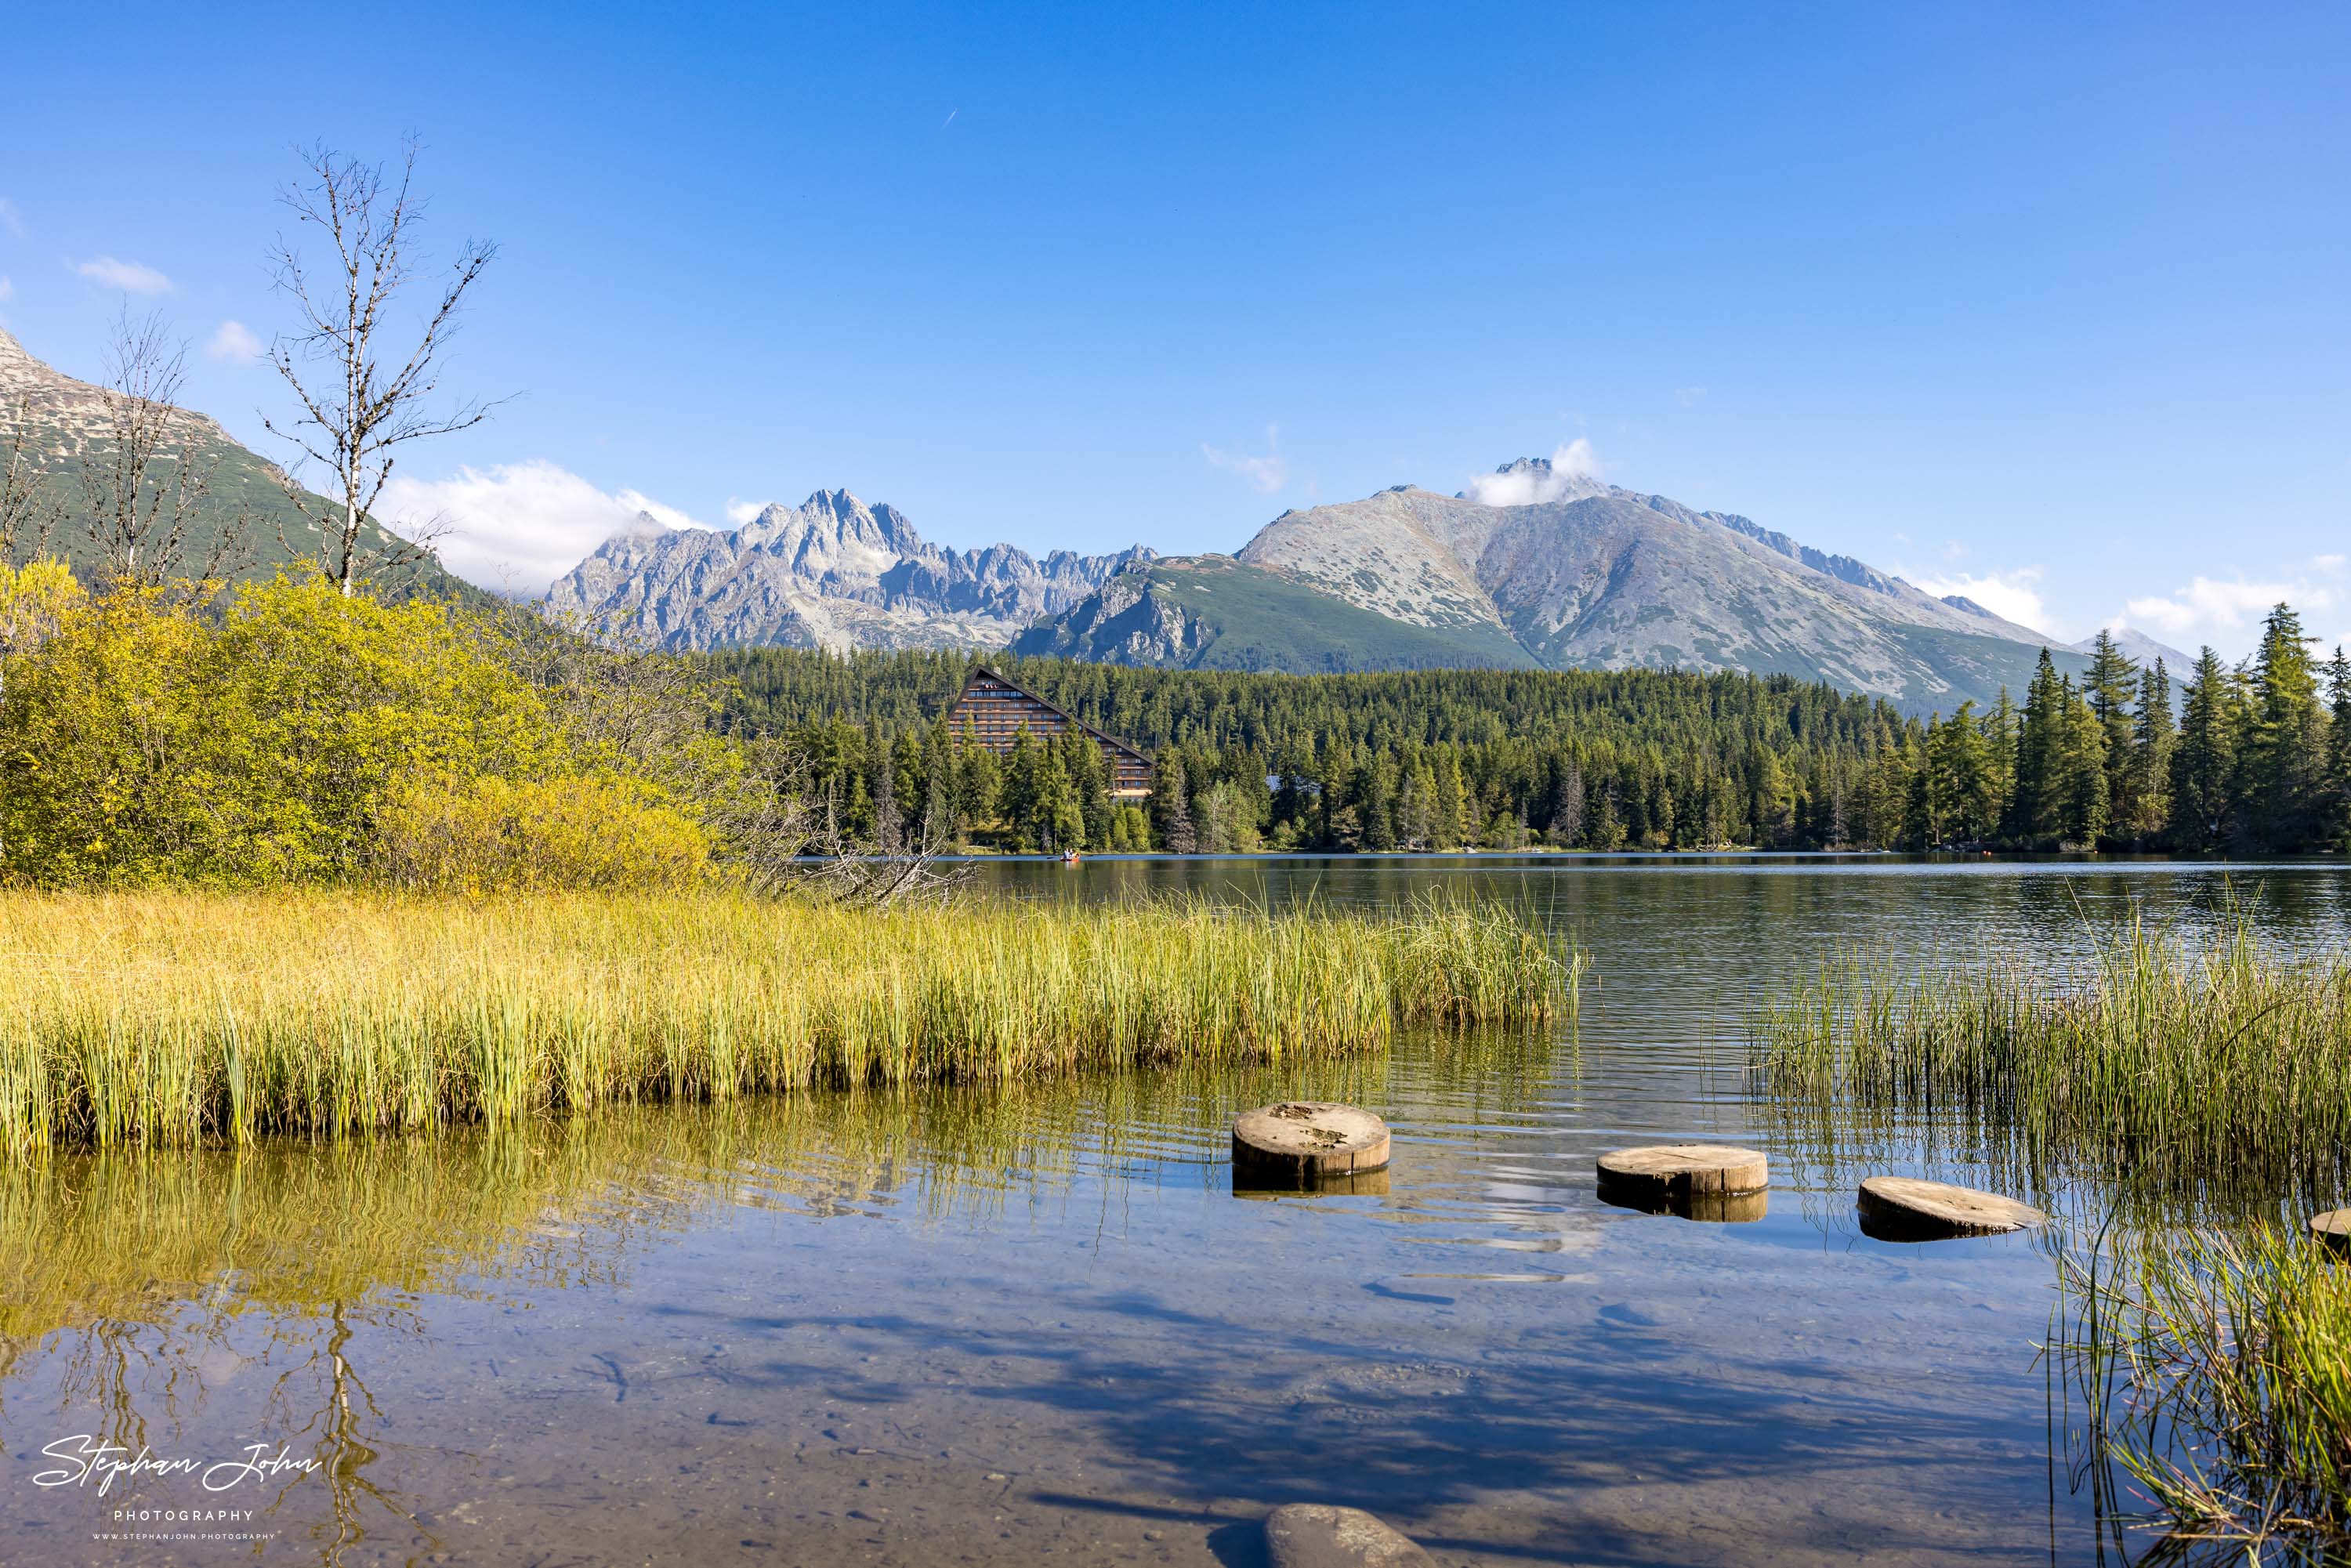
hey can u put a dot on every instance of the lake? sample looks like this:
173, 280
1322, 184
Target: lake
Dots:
1039, 1324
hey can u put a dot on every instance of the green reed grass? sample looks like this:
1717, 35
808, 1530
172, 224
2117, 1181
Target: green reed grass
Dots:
172, 1018
2217, 1370
2179, 1068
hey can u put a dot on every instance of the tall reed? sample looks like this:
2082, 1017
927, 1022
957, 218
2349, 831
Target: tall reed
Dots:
2216, 1367
2180, 1068
170, 1018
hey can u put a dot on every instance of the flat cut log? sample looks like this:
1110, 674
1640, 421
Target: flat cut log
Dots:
1299, 1142
1672, 1175
1905, 1208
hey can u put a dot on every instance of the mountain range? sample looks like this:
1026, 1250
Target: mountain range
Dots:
1571, 574
832, 572
1539, 568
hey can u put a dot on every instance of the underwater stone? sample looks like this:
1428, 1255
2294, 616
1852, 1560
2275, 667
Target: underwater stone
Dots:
1318, 1536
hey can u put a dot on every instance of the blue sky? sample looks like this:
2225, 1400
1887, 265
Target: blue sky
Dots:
2043, 303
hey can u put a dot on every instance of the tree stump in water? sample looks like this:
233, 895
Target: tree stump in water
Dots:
2333, 1229
1318, 1535
1904, 1209
1300, 1142
1676, 1176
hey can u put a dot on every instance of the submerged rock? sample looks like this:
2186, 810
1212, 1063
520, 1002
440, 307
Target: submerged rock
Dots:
1320, 1535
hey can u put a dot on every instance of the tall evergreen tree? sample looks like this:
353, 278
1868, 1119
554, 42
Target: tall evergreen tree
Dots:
2036, 812
2336, 821
1171, 807
2084, 807
2111, 684
2204, 760
2283, 753
2153, 735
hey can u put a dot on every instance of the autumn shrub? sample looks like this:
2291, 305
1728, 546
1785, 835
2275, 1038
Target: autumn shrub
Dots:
490, 835
301, 736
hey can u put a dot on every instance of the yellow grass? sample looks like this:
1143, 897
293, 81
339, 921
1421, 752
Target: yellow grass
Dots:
170, 1018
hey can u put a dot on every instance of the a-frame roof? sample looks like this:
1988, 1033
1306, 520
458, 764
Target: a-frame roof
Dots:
1071, 719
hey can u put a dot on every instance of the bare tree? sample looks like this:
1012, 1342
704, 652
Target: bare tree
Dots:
146, 478
29, 512
359, 402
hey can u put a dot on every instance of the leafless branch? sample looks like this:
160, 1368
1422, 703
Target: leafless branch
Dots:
29, 512
145, 481
359, 404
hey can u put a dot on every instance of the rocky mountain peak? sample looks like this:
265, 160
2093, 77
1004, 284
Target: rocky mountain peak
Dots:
1531, 482
833, 572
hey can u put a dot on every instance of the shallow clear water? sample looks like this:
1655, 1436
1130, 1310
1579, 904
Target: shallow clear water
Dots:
1041, 1326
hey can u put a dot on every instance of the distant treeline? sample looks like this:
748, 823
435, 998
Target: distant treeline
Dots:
2251, 757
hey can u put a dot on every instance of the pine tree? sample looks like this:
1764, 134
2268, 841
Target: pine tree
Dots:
2336, 823
2000, 744
1171, 808
2204, 760
2037, 807
2153, 735
2084, 807
2111, 684
1567, 808
1959, 804
2282, 750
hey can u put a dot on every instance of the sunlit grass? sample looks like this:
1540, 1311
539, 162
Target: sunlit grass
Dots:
2180, 1069
2217, 1370
172, 1018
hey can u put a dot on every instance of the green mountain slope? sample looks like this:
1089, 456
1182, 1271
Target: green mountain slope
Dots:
68, 428
1215, 614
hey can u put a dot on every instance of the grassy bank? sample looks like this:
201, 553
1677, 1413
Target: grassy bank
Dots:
2182, 1068
2217, 1369
170, 1018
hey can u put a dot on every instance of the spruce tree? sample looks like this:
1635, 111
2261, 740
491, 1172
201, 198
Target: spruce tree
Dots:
1171, 807
2111, 684
2282, 750
2036, 808
2084, 807
2153, 735
2336, 823
2204, 760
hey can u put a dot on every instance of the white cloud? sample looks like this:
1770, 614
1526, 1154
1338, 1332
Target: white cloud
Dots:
1689, 397
6, 289
2011, 595
233, 340
1526, 484
1265, 474
2207, 605
2332, 565
741, 512
129, 276
517, 527
10, 218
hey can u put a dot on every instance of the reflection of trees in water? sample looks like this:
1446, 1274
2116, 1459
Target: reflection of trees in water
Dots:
129, 1280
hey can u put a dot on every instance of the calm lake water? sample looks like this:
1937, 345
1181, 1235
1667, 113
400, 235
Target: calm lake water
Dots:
1041, 1326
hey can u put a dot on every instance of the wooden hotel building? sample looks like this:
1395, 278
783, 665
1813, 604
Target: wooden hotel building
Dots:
992, 712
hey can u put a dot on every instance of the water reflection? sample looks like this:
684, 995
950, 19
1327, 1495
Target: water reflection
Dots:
996, 1327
